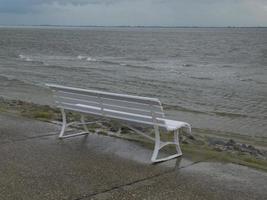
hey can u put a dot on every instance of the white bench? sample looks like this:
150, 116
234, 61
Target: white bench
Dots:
126, 108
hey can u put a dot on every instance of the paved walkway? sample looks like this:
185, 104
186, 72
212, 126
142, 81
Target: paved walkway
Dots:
34, 164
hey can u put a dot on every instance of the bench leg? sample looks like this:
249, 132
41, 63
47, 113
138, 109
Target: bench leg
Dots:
64, 123
176, 140
159, 145
84, 124
64, 126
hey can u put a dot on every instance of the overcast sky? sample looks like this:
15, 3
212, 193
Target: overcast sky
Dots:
134, 12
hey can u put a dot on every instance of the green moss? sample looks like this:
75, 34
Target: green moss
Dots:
42, 112
256, 140
2, 109
43, 115
205, 152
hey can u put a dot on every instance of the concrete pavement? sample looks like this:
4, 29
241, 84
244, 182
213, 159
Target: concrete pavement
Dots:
34, 164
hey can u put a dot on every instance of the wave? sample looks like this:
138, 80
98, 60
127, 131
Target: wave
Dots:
187, 65
50, 61
81, 57
238, 115
217, 113
7, 80
201, 78
111, 62
252, 80
30, 59
38, 59
137, 66
127, 65
90, 59
227, 66
183, 109
25, 58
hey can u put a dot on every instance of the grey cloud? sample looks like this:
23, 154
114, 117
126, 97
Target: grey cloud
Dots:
77, 2
135, 12
14, 6
24, 6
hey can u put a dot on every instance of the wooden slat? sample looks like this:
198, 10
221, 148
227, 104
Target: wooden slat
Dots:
154, 108
134, 111
119, 103
76, 101
123, 97
76, 96
107, 106
111, 114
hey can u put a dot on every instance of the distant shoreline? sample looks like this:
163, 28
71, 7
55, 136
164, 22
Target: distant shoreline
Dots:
96, 26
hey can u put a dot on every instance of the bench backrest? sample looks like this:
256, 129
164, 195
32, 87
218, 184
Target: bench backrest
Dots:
119, 106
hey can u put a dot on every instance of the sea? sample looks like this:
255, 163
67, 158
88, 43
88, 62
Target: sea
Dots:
213, 78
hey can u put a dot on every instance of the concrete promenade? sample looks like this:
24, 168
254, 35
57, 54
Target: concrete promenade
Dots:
35, 164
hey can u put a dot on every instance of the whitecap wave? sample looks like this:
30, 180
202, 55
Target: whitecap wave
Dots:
81, 57
25, 58
21, 56
90, 59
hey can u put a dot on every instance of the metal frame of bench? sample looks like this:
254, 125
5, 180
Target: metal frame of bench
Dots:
126, 108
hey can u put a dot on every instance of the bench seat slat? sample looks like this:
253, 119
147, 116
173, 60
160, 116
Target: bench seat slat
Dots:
112, 114
76, 96
75, 101
106, 106
123, 97
154, 108
119, 103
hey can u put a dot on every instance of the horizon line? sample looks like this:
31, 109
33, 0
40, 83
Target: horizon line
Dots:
126, 26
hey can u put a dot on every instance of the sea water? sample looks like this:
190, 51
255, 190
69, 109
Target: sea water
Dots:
213, 78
